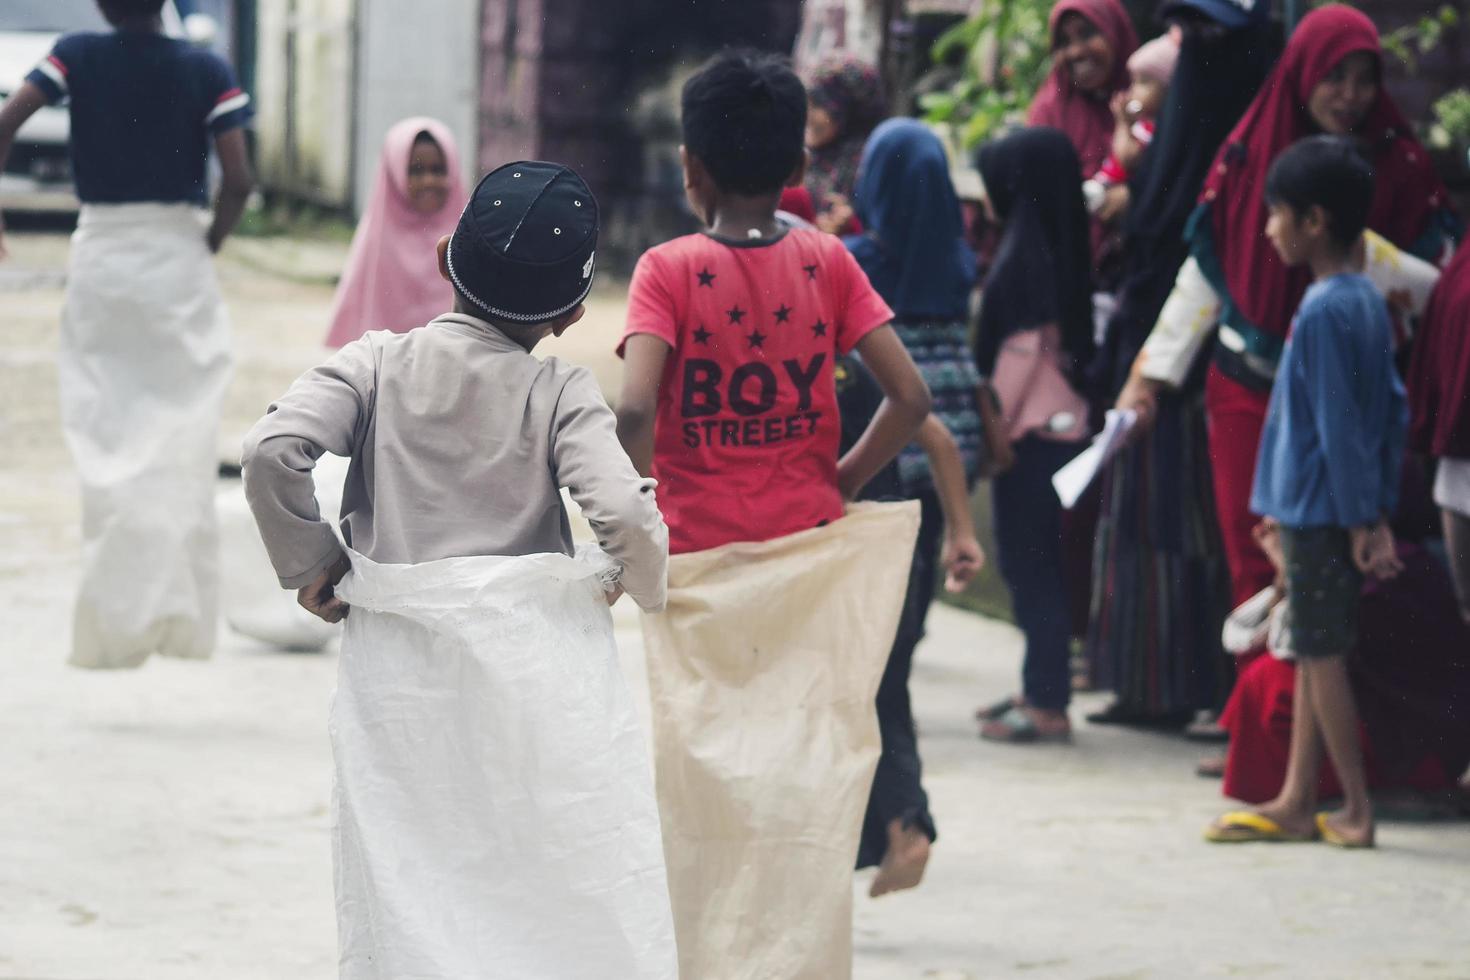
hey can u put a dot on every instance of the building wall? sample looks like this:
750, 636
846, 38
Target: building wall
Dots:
594, 84
510, 73
304, 99
414, 59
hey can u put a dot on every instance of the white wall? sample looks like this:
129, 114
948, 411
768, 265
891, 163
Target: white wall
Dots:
303, 128
415, 58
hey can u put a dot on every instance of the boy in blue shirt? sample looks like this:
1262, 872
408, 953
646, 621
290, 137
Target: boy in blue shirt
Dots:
1327, 477
144, 357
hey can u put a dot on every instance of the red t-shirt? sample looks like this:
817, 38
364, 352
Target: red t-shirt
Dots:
745, 439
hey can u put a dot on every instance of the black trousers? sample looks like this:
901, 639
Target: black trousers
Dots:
1028, 539
897, 791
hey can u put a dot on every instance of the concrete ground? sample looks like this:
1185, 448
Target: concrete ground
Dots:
173, 822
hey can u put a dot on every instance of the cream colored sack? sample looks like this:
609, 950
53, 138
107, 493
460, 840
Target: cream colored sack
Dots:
763, 673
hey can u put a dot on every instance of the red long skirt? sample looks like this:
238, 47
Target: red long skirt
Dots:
1258, 719
1236, 415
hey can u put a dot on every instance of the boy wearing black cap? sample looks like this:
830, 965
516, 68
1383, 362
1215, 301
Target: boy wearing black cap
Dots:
451, 428
764, 668
460, 442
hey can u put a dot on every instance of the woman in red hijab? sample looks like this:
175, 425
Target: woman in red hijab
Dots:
1091, 41
1329, 80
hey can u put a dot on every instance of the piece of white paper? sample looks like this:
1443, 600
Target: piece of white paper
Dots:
1072, 480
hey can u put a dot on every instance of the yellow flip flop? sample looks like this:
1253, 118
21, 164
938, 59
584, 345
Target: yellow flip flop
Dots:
1336, 839
1249, 827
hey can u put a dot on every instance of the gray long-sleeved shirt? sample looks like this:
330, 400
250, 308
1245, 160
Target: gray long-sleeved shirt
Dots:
460, 442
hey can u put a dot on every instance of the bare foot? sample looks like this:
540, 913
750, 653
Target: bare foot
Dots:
903, 863
1350, 830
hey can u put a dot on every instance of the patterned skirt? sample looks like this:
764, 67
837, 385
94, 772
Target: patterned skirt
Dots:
1161, 589
941, 351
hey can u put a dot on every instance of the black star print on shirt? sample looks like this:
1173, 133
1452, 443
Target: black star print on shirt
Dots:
819, 329
811, 272
706, 278
701, 336
756, 338
783, 314
735, 314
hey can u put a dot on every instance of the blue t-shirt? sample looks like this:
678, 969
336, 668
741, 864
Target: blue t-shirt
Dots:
1334, 436
143, 109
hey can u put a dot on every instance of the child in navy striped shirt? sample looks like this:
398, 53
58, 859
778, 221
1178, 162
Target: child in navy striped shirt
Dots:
145, 351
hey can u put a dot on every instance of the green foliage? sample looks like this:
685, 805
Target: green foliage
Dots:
1412, 41
1452, 119
1004, 54
263, 220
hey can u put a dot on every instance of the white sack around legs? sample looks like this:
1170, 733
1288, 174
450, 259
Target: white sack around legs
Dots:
494, 799
143, 367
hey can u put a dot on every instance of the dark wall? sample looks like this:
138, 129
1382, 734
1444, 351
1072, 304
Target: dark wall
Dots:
593, 84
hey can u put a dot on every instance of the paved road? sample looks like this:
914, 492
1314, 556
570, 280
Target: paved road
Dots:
172, 823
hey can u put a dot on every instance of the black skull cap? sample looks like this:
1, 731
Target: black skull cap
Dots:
525, 247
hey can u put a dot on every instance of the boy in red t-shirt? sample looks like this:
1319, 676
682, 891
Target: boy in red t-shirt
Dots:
728, 393
729, 400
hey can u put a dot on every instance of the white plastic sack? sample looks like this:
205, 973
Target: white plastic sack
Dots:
254, 603
142, 370
494, 798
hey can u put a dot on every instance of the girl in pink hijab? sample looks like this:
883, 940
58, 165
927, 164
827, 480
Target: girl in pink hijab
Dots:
392, 277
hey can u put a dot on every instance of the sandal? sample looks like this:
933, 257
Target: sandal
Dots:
1116, 713
1338, 839
1016, 727
1206, 728
1250, 827
995, 711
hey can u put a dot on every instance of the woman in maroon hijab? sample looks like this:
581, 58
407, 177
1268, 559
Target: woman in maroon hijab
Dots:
1091, 41
1329, 79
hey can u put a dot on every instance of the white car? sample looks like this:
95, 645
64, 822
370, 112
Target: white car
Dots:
37, 176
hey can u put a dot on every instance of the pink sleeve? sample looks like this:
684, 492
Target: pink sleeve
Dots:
651, 303
863, 310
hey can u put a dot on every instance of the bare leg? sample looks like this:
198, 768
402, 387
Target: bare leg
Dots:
1337, 716
1457, 543
1294, 808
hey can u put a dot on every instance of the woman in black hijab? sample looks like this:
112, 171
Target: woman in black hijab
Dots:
1033, 342
1161, 589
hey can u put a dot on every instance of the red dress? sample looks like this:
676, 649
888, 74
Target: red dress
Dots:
1411, 679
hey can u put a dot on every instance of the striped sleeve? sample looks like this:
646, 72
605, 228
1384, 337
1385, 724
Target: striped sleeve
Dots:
231, 111
228, 106
50, 77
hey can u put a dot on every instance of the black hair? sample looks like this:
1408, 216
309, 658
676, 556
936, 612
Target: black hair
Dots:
1327, 172
744, 117
131, 8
